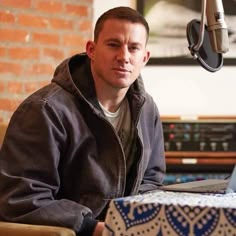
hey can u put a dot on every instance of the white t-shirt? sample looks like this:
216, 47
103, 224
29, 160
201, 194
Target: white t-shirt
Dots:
121, 121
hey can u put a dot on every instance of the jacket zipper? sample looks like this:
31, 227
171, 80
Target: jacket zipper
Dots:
121, 190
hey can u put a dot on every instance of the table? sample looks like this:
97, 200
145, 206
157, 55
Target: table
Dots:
163, 213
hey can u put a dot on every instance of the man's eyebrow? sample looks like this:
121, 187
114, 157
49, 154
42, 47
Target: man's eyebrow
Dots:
119, 41
112, 40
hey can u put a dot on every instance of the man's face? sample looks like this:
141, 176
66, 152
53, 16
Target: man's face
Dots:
119, 53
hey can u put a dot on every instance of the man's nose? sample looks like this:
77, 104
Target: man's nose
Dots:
123, 54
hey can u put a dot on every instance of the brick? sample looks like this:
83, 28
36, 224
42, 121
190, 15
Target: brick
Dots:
7, 104
13, 35
43, 83
24, 53
10, 68
16, 3
15, 87
61, 24
2, 86
76, 50
73, 40
31, 87
50, 6
85, 26
7, 17
77, 10
2, 51
45, 38
33, 21
53, 53
40, 69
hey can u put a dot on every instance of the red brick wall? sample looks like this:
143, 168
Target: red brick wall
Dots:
35, 35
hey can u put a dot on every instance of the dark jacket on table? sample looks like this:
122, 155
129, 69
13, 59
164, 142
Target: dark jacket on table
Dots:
61, 161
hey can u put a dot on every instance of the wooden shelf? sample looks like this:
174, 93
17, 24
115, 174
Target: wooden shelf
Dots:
203, 158
199, 118
177, 154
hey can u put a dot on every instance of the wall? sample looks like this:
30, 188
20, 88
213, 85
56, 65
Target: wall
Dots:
35, 35
191, 91
100, 8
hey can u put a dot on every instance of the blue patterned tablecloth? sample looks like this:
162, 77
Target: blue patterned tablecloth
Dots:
163, 213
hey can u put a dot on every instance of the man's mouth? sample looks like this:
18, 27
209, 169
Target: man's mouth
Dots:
122, 70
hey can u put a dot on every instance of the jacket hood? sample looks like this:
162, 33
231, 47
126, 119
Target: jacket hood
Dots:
69, 75
74, 75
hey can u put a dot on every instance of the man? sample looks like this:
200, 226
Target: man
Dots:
91, 135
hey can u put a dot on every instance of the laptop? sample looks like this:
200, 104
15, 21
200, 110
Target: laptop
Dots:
205, 186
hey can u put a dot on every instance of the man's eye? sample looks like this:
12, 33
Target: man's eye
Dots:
134, 48
113, 45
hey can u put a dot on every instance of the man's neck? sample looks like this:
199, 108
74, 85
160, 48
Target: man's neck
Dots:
110, 104
109, 97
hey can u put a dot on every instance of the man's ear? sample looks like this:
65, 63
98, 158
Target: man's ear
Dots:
90, 47
146, 58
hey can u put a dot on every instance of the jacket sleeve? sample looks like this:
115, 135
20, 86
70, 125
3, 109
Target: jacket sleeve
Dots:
153, 142
29, 176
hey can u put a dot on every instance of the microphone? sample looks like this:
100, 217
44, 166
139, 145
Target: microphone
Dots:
216, 26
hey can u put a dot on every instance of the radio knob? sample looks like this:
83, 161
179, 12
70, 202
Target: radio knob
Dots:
202, 146
178, 146
167, 146
225, 146
213, 146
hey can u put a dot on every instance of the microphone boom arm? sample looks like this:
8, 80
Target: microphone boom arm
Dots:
202, 27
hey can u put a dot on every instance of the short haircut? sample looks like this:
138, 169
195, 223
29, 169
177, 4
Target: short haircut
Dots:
122, 13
